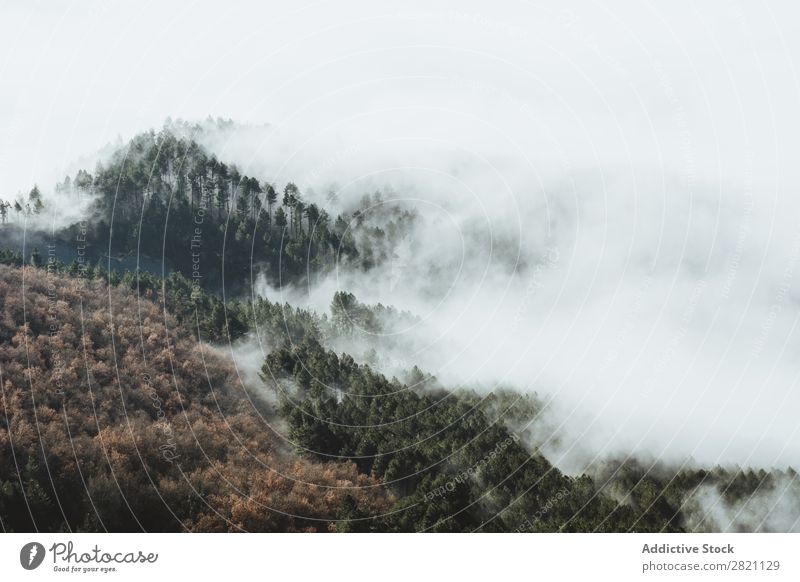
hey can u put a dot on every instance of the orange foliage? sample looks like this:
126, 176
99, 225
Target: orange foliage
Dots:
113, 417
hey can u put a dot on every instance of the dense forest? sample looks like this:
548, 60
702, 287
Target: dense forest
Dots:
165, 200
120, 414
159, 418
148, 432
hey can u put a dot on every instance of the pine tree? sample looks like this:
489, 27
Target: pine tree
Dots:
36, 257
280, 218
272, 197
35, 199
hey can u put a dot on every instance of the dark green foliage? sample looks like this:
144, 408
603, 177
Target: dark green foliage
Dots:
454, 460
453, 467
165, 198
9, 257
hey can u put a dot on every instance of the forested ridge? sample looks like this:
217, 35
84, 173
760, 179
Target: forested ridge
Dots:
120, 415
164, 197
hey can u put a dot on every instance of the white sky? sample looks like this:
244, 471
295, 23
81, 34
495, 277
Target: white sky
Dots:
658, 133
632, 81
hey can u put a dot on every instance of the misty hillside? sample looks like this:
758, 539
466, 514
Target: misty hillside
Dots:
153, 431
196, 354
113, 418
162, 202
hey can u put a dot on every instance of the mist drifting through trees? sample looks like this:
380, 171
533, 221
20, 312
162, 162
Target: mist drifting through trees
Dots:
281, 417
430, 267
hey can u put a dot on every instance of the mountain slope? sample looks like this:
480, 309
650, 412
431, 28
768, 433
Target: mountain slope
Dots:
113, 418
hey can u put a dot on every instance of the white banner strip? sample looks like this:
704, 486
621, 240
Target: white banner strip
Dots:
389, 557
